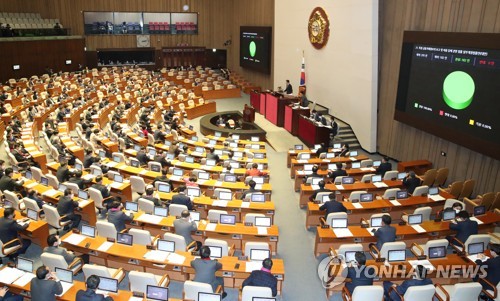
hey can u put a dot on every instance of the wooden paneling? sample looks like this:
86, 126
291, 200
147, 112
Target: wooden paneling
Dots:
403, 142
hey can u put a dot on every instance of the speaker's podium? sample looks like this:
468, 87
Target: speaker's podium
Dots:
275, 107
292, 114
248, 114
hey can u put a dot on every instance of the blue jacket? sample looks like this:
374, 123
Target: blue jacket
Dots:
262, 278
364, 277
406, 285
385, 234
464, 229
332, 206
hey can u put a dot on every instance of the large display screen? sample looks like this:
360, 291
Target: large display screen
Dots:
255, 48
449, 86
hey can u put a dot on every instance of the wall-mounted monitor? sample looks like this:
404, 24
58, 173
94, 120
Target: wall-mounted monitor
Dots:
16, 67
255, 48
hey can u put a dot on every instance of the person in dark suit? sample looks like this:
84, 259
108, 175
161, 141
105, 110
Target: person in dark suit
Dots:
161, 158
322, 149
63, 173
339, 172
304, 102
419, 279
314, 173
142, 156
9, 230
45, 286
54, 247
117, 217
322, 188
288, 87
334, 128
149, 195
103, 189
212, 155
320, 118
492, 266
384, 167
5, 295
184, 226
181, 198
360, 275
263, 277
332, 206
344, 152
386, 233
205, 269
37, 197
252, 189
463, 226
89, 158
7, 183
77, 179
66, 206
411, 182
163, 178
89, 294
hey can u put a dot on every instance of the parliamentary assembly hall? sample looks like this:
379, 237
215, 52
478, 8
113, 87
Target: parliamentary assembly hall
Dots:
258, 150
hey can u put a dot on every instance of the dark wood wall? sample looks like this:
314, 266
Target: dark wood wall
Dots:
34, 56
407, 143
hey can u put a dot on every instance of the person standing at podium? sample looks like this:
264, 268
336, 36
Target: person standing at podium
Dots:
288, 87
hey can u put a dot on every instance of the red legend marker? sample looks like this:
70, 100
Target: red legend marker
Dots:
441, 112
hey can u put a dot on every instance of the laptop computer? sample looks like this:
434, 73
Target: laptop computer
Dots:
178, 172
108, 284
209, 297
199, 149
102, 154
475, 248
28, 175
227, 219
203, 176
262, 221
215, 252
24, 264
152, 152
164, 187
376, 178
401, 175
479, 210
259, 254
218, 134
194, 138
258, 198
156, 293
448, 215
212, 142
225, 195
137, 148
64, 275
308, 167
32, 214
82, 194
377, 163
96, 172
347, 180
356, 165
193, 191
330, 155
116, 159
433, 191
234, 165
396, 255
376, 222
366, 197
258, 180
61, 187
189, 159
230, 178
350, 256
210, 162
155, 168
325, 198
160, 211
339, 223
254, 139
414, 219
195, 216
165, 245
78, 166
235, 137
298, 147
353, 153
402, 194
118, 179
44, 181
238, 154
87, 230
337, 145
124, 239
437, 252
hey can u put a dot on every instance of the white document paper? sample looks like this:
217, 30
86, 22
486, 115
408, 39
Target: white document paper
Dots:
210, 227
105, 246
74, 239
426, 263
176, 258
357, 205
395, 203
436, 198
219, 203
155, 255
66, 286
380, 184
9, 275
135, 299
31, 185
302, 161
116, 185
24, 279
475, 257
366, 169
479, 222
149, 218
352, 159
418, 228
259, 186
82, 204
51, 193
339, 187
342, 232
262, 230
245, 205
253, 266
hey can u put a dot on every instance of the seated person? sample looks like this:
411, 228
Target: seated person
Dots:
184, 227
63, 173
384, 167
66, 206
77, 179
420, 278
339, 172
322, 149
332, 206
163, 178
205, 269
181, 198
457, 207
7, 183
252, 189
37, 197
464, 228
314, 173
103, 189
191, 181
9, 230
5, 295
344, 151
89, 158
263, 277
212, 155
360, 275
45, 286
142, 156
54, 242
411, 182
117, 217
150, 195
322, 188
90, 294
386, 233
492, 266
254, 172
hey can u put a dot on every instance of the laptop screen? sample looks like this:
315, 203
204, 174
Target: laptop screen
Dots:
350, 256
125, 239
228, 219
96, 172
170, 156
44, 181
225, 195
433, 191
156, 293
194, 138
325, 198
475, 248
163, 187
298, 147
212, 142
61, 187
376, 222
308, 167
262, 221
8, 204
332, 166
88, 231
258, 180
64, 275
194, 192
330, 155
203, 175
108, 284
137, 148
102, 154
254, 139
152, 152
199, 149
237, 154
315, 181
215, 252
217, 134
116, 159
356, 165
305, 156
209, 297
234, 165
160, 211
195, 216
236, 137
259, 254
131, 206
189, 159
78, 166
24, 264
353, 153
479, 210
414, 219
230, 178
118, 178
377, 163
258, 197
347, 180
178, 172
28, 175
437, 252
259, 156
401, 175
166, 245
339, 223
396, 255
32, 214
155, 168
366, 197
376, 178
210, 162
233, 144
82, 194
403, 194
448, 215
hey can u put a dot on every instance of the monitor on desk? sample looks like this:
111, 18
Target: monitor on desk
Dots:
376, 222
87, 230
448, 215
353, 153
178, 172
137, 147
235, 137
160, 211
15, 168
102, 154
401, 175
298, 147
234, 165
164, 187
24, 264
44, 181
316, 146
339, 223
233, 144
195, 216
78, 166
212, 142
194, 138
308, 167
203, 176
28, 175
118, 178
215, 252
170, 157
260, 166
166, 245
209, 297
96, 172
305, 156
475, 248
193, 192
437, 252
402, 194
218, 152
82, 194
415, 219
356, 165
337, 145
238, 154
366, 197
259, 254
262, 221
8, 204
230, 178
218, 134
377, 163
32, 214
257, 197
61, 187
315, 181
156, 293
116, 159
199, 149
330, 155
259, 156
64, 275
131, 206
155, 168
189, 159
347, 180
254, 139
376, 178
210, 162
152, 152
325, 198
258, 180
479, 210
396, 255
125, 239
332, 166
433, 191
227, 219
108, 284
350, 256
225, 195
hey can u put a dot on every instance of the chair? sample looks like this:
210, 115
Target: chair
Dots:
421, 190
32, 204
467, 189
152, 163
15, 199
475, 238
320, 195
73, 186
367, 178
192, 288
458, 292
338, 180
101, 271
138, 186
249, 292
96, 196
429, 177
226, 249
388, 246
217, 191
331, 216
417, 293
139, 281
449, 203
366, 163
363, 293
425, 211
106, 229
250, 217
255, 245
53, 181
356, 195
485, 200
214, 215
37, 173
442, 175
54, 260
455, 188
176, 209
391, 175
343, 248
9, 248
146, 205
423, 250
142, 237
390, 193
53, 218
180, 242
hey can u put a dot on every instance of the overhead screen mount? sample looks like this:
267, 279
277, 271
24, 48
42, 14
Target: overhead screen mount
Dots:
448, 87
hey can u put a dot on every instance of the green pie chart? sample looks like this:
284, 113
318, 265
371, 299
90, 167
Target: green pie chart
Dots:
252, 48
458, 90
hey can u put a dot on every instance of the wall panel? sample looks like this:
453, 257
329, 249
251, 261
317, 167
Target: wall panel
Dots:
407, 143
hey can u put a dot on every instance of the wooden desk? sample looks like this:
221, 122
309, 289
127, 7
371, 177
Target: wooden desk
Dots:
419, 166
200, 110
310, 133
223, 93
292, 116
326, 238
322, 163
356, 173
37, 231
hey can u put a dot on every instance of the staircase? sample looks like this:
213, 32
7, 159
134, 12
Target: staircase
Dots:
346, 135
